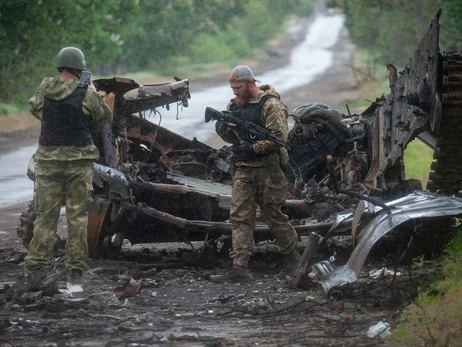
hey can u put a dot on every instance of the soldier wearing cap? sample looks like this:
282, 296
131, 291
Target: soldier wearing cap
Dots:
64, 160
258, 174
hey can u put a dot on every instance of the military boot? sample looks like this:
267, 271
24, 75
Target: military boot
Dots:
236, 274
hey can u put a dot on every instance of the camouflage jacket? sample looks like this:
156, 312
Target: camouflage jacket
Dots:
93, 106
273, 116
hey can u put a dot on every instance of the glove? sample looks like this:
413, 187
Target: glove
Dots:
244, 151
221, 127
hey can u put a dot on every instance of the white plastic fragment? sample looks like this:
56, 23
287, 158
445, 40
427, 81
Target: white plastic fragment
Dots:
383, 272
380, 329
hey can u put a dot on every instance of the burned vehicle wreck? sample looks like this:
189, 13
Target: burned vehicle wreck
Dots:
346, 172
364, 161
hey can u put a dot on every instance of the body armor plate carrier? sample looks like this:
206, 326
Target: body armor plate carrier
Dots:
64, 123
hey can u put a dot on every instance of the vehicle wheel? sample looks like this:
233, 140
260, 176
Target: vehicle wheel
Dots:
25, 230
336, 293
111, 247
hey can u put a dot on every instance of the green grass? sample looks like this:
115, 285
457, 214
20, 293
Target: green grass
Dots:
14, 117
435, 319
369, 91
7, 109
417, 159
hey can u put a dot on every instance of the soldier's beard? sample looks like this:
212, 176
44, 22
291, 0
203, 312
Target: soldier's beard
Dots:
243, 99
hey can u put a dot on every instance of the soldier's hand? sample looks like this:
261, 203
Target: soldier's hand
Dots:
244, 151
221, 127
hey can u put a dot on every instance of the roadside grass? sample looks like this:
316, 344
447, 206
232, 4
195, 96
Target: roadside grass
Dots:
435, 318
417, 159
9, 108
14, 118
368, 92
180, 70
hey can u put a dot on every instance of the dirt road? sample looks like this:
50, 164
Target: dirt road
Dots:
177, 304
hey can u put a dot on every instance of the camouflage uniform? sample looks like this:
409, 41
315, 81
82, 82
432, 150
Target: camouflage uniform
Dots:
63, 176
262, 181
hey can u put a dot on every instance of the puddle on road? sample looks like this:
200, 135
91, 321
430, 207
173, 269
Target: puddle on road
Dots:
11, 178
15, 186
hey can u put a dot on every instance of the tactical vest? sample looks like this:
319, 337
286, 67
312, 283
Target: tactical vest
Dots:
252, 113
64, 123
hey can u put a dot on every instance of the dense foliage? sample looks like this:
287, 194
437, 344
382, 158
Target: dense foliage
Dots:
130, 35
391, 30
33, 31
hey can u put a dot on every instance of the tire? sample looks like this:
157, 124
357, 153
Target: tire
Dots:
25, 230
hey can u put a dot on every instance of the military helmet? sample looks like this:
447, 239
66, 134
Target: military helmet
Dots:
71, 57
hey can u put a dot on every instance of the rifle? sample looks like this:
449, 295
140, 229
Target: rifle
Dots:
246, 129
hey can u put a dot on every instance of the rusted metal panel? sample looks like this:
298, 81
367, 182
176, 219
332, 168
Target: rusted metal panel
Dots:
409, 109
95, 223
147, 97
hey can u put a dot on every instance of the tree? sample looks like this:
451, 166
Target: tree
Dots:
33, 31
166, 28
390, 30
451, 25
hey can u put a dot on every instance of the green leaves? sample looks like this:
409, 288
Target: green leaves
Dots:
392, 29
33, 31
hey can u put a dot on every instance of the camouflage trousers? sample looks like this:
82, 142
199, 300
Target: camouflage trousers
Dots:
267, 187
61, 183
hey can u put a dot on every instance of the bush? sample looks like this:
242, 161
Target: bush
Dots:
223, 46
8, 109
3, 109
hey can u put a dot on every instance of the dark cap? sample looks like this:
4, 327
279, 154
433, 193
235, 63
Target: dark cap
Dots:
242, 73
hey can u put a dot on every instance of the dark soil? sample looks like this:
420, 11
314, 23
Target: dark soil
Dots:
178, 305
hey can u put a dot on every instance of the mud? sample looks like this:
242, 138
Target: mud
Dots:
178, 305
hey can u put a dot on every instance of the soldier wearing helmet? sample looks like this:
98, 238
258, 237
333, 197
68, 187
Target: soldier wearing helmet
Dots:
72, 60
68, 110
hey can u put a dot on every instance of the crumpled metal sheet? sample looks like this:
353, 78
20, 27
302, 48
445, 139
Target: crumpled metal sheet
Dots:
418, 205
115, 179
209, 187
